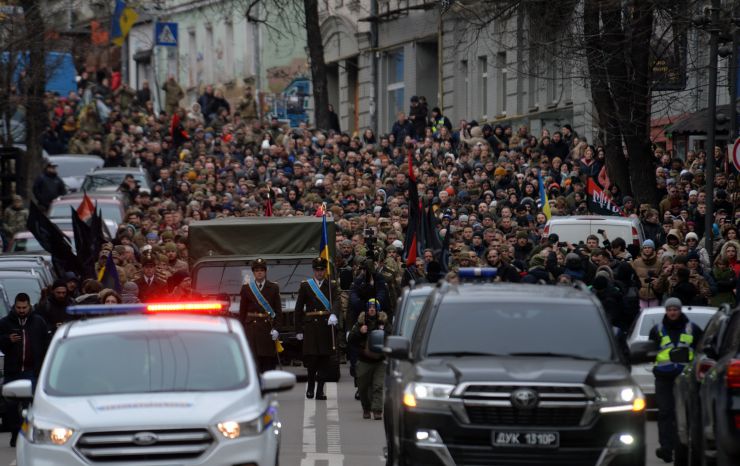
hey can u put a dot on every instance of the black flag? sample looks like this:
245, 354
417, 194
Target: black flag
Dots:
51, 238
84, 245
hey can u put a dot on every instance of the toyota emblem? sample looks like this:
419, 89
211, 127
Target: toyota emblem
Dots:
145, 438
524, 398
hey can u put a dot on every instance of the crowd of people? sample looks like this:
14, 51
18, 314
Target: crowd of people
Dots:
479, 185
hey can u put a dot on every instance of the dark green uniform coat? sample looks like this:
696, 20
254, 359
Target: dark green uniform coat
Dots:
317, 340
258, 329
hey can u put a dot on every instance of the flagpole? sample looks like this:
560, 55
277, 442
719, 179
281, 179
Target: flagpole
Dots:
325, 238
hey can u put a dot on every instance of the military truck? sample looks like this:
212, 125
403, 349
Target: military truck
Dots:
222, 250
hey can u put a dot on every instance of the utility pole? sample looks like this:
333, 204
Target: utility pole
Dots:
714, 30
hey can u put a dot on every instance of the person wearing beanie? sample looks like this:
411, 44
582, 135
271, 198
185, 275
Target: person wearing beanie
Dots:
692, 241
54, 308
674, 334
130, 293
647, 269
370, 366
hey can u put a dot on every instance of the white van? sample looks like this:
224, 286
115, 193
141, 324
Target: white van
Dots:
577, 228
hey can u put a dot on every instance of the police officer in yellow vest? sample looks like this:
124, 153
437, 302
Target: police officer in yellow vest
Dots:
676, 337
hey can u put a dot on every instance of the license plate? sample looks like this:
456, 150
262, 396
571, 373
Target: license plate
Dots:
526, 439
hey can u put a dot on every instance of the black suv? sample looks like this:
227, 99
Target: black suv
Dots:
510, 374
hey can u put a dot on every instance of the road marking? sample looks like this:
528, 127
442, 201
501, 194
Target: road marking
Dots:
333, 456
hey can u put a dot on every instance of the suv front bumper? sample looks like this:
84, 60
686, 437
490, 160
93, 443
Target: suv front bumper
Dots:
434, 438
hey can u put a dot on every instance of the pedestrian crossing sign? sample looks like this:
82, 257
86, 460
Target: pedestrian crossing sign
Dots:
166, 34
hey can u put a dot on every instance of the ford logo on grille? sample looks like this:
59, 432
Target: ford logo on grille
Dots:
524, 398
145, 438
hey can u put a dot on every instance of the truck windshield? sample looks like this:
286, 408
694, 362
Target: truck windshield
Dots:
506, 328
148, 362
228, 279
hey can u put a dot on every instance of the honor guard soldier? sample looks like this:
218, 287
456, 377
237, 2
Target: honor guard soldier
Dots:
259, 310
316, 322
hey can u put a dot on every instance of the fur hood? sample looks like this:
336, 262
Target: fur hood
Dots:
382, 318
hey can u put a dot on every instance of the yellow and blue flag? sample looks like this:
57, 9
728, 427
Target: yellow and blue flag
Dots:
324, 246
543, 197
124, 18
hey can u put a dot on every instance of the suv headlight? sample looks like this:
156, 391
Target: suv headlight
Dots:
425, 391
620, 398
235, 429
46, 434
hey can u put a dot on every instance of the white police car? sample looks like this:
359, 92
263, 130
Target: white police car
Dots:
154, 387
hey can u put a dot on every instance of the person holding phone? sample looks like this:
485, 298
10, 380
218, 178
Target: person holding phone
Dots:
24, 338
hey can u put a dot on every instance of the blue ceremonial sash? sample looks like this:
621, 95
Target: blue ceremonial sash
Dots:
319, 294
261, 299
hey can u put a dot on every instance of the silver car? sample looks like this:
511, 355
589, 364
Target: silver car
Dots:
648, 318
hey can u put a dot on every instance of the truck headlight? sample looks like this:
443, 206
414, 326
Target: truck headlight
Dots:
46, 434
235, 429
425, 391
620, 398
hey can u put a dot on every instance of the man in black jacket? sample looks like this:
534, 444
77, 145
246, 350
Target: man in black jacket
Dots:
54, 308
48, 186
24, 338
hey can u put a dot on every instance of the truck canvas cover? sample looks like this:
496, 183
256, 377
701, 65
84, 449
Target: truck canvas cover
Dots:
258, 236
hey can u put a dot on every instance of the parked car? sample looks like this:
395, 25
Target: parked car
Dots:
686, 391
15, 282
574, 229
640, 332
24, 241
111, 209
109, 179
72, 168
19, 262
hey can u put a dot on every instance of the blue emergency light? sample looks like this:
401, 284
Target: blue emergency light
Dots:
476, 273
205, 307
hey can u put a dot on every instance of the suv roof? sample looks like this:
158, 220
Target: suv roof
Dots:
149, 322
470, 292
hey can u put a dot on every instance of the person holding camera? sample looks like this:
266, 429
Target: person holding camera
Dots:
647, 268
676, 337
370, 366
24, 338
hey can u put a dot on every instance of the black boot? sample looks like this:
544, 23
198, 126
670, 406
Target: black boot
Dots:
309, 390
13, 438
320, 392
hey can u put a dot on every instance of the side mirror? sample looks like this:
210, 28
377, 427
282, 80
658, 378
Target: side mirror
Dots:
397, 347
643, 351
376, 341
277, 381
18, 390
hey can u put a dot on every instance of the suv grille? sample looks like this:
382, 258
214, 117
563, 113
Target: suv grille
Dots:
561, 405
144, 445
487, 456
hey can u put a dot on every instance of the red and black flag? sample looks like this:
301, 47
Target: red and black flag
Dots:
413, 231
599, 201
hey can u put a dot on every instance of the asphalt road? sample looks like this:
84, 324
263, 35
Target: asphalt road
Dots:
331, 432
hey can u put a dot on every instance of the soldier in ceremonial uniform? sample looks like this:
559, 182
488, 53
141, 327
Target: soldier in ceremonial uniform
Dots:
316, 320
259, 309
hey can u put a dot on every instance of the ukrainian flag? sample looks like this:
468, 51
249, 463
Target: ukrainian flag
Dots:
324, 246
123, 20
543, 197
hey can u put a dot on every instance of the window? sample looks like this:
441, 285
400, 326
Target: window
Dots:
192, 59
395, 84
483, 85
208, 54
502, 78
229, 51
464, 89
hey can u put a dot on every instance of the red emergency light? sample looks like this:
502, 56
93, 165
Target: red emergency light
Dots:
205, 306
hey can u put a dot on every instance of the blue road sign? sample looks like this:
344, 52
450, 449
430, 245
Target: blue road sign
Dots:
165, 34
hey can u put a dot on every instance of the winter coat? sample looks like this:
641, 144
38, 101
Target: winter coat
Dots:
359, 340
15, 220
643, 266
725, 280
36, 338
48, 187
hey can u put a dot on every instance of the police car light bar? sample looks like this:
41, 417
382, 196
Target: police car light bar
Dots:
208, 306
479, 273
205, 307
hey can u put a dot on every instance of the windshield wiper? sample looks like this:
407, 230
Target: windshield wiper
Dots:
554, 355
460, 354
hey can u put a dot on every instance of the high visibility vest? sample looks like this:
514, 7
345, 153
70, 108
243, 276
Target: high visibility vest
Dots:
663, 359
438, 124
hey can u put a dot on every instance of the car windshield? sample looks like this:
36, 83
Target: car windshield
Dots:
28, 285
503, 328
228, 279
77, 167
649, 320
411, 314
147, 362
96, 181
109, 211
32, 245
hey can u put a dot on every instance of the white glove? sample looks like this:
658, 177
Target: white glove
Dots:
299, 336
333, 320
274, 334
347, 336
